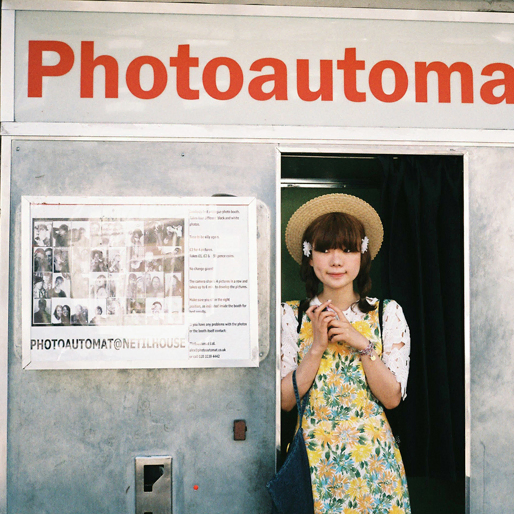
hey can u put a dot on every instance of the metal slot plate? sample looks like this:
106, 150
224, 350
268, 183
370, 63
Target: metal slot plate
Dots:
153, 485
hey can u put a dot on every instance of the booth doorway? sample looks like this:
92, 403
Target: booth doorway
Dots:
420, 199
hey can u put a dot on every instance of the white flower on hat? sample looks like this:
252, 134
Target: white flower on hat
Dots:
307, 248
364, 244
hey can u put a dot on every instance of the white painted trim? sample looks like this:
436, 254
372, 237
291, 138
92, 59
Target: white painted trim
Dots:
7, 67
278, 296
259, 10
258, 133
467, 325
5, 189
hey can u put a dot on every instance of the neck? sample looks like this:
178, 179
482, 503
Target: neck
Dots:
342, 298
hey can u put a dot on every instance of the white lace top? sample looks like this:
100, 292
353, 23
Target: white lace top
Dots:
395, 339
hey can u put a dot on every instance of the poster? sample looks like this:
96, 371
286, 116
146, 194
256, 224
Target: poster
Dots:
116, 283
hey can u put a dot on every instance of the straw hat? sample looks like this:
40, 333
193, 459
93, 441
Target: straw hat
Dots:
337, 202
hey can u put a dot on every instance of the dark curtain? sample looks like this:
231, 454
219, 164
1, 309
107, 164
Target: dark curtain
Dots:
423, 270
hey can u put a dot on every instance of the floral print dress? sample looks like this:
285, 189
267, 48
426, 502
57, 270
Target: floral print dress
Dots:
355, 463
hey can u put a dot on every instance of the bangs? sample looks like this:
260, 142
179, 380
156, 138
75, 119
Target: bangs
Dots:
337, 230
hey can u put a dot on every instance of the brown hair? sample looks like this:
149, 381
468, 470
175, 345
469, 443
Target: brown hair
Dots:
337, 230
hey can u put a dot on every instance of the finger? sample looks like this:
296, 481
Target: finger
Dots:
340, 323
337, 330
310, 311
338, 311
318, 309
338, 333
326, 313
326, 319
313, 312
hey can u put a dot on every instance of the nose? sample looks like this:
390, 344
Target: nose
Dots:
337, 257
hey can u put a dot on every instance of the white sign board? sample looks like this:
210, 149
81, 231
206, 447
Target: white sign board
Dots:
117, 283
207, 69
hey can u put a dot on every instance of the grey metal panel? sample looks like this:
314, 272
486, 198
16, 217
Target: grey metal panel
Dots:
491, 222
73, 435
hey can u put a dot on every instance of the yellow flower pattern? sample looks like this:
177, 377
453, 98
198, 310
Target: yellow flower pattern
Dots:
356, 467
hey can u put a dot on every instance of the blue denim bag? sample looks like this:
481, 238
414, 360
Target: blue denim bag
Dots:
291, 487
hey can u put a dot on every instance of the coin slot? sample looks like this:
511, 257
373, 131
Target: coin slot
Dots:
151, 474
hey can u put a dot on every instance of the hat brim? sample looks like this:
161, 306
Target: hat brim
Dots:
336, 202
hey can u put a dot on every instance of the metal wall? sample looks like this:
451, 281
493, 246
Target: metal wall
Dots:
491, 269
73, 434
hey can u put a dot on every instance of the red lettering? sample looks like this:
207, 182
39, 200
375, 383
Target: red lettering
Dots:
267, 84
326, 81
36, 69
87, 67
444, 72
376, 85
487, 90
279, 90
210, 83
184, 62
351, 65
133, 77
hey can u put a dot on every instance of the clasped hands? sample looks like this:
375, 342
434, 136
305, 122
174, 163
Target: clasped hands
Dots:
329, 324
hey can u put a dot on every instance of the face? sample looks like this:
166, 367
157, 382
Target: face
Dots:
336, 268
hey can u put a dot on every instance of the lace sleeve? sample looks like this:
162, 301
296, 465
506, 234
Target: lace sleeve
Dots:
289, 341
396, 341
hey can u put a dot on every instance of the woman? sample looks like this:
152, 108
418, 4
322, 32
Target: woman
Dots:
65, 314
38, 289
57, 319
100, 287
352, 368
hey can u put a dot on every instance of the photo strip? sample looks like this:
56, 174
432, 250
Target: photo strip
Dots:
107, 272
